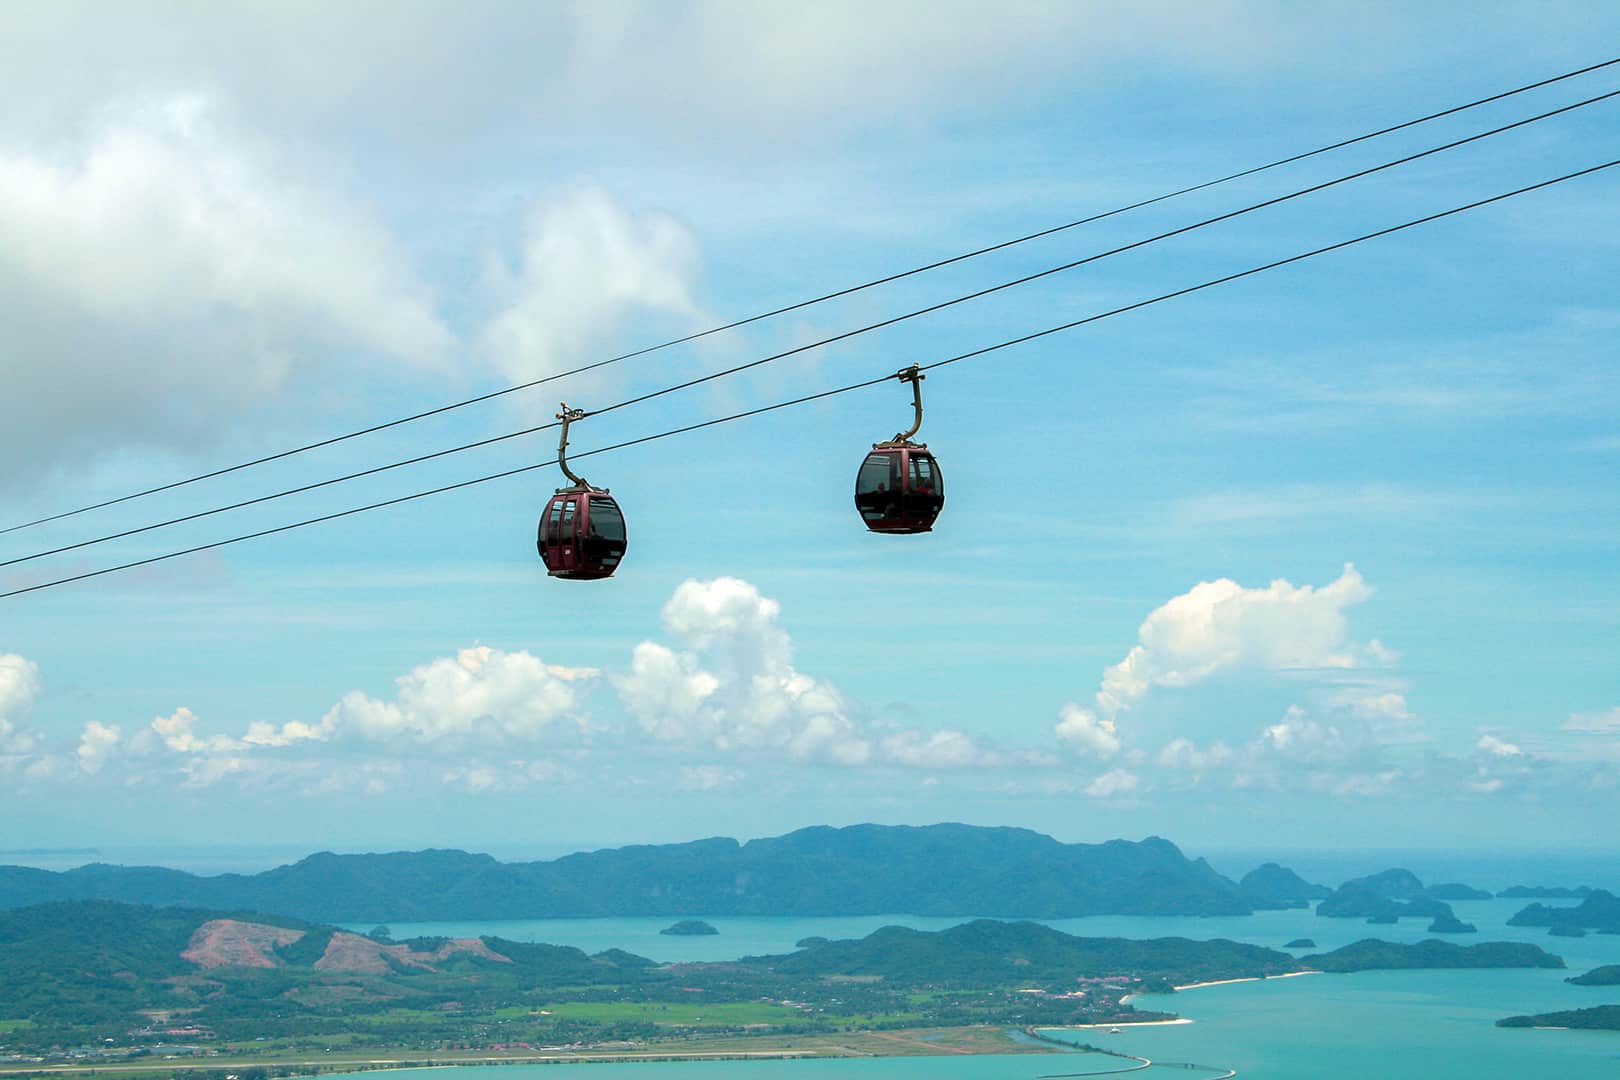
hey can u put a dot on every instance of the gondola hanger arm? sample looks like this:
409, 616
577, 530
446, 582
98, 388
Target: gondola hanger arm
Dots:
568, 416
914, 376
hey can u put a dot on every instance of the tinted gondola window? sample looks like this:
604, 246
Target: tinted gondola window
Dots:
925, 479
606, 520
568, 523
877, 486
554, 524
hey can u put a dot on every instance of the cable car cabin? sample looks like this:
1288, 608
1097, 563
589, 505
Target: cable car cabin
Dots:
899, 489
581, 535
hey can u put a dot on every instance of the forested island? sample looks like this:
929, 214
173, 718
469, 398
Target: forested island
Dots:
690, 928
1599, 1018
1607, 975
959, 870
1598, 910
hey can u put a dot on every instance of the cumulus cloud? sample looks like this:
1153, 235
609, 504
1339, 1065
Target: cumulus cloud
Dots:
707, 777
20, 685
480, 694
1220, 625
166, 273
97, 744
945, 749
1186, 756
1081, 729
735, 687
1495, 747
587, 265
1113, 784
1599, 723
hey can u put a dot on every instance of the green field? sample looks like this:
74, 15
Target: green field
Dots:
678, 1013
8, 1026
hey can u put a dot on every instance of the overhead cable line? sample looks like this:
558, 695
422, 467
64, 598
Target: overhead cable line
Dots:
817, 396
799, 305
818, 344
844, 336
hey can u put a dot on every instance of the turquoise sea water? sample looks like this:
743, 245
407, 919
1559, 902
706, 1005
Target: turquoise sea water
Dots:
1422, 1025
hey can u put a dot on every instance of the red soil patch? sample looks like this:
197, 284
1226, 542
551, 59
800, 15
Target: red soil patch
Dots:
351, 952
232, 943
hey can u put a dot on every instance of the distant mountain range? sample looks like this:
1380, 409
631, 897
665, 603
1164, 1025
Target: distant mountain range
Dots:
945, 870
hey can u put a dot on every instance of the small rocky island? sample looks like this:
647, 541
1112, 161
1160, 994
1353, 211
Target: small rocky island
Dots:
689, 928
1607, 975
1301, 943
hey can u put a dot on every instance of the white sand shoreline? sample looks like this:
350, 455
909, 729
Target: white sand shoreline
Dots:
1255, 978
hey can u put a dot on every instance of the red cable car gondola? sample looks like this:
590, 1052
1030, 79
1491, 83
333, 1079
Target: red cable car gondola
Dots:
581, 535
899, 488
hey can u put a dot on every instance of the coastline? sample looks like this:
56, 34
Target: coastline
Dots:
1252, 978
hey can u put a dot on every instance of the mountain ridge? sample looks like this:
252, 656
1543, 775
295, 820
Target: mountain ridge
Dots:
947, 870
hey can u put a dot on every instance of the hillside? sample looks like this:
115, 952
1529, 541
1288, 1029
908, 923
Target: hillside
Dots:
861, 870
1600, 1018
82, 972
1373, 955
986, 952
1272, 887
1600, 910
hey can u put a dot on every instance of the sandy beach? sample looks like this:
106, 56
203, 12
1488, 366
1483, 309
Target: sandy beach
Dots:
1229, 982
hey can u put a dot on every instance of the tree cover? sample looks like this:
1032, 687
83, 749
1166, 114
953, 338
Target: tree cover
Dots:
1607, 975
1600, 910
1598, 1018
1396, 894
1374, 955
1273, 887
859, 870
690, 928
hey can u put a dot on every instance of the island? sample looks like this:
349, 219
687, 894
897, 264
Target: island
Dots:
1607, 975
1384, 898
1545, 892
1600, 1018
1600, 910
1454, 890
1450, 924
1375, 955
1562, 930
855, 870
1301, 943
689, 928
810, 942
1274, 887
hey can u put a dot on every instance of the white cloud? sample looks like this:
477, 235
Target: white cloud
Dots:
1113, 783
97, 745
178, 733
735, 688
945, 749
587, 265
167, 273
707, 777
480, 694
20, 686
1495, 747
1599, 723
1184, 755
1221, 625
1080, 728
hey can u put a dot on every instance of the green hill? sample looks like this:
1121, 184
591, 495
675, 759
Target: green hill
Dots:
1374, 955
1600, 1018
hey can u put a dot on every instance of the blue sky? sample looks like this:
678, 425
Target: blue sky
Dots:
1321, 557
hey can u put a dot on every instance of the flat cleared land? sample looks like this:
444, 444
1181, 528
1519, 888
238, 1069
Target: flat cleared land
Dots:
918, 1042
